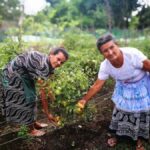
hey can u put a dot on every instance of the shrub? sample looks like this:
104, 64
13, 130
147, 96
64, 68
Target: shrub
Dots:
8, 50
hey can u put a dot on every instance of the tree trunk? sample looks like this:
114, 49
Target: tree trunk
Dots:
108, 9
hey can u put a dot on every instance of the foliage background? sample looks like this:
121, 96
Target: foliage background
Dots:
74, 25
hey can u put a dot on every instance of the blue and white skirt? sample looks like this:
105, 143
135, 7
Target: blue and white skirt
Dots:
133, 97
131, 115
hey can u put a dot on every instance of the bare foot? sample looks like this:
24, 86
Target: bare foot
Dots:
139, 145
36, 133
112, 141
39, 125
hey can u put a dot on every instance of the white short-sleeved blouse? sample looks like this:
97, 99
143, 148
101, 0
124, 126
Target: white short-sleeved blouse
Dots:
131, 68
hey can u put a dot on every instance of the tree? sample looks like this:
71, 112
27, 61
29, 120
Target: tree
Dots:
85, 14
109, 13
9, 9
144, 18
121, 11
54, 2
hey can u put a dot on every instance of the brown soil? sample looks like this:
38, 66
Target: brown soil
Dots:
91, 135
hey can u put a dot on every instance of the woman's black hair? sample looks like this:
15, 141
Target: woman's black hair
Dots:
104, 39
56, 50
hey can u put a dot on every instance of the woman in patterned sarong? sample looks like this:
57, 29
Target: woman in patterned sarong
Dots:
18, 79
130, 69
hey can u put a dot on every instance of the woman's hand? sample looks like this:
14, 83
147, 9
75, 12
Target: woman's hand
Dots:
80, 106
51, 118
81, 103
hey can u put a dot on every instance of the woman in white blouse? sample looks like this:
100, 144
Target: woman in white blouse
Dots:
130, 69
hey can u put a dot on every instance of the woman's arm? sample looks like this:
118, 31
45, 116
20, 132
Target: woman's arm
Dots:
45, 105
95, 88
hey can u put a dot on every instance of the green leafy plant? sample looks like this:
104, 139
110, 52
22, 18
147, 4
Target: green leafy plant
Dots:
8, 50
23, 132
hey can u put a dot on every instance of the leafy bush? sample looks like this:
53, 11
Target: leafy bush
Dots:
8, 50
142, 44
78, 40
74, 78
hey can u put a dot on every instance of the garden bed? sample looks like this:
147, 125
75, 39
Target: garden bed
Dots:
81, 135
